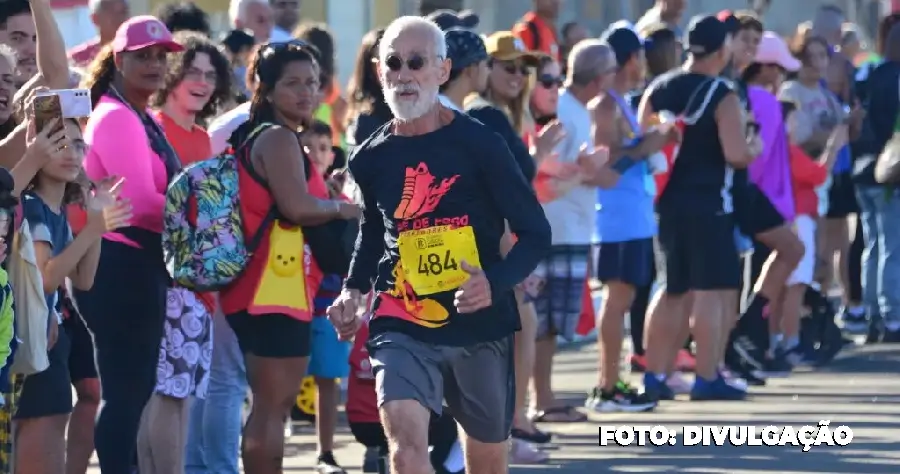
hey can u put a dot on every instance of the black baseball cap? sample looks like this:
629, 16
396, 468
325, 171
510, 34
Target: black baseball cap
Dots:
448, 19
624, 42
706, 34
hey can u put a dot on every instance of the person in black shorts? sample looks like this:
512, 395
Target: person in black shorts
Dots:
429, 247
776, 249
696, 208
273, 326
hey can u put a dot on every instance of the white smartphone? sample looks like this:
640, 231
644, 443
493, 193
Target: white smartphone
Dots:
74, 103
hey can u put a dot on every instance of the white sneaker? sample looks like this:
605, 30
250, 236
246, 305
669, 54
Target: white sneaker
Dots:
679, 383
288, 428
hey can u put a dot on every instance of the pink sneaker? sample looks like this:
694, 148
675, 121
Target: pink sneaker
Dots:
522, 452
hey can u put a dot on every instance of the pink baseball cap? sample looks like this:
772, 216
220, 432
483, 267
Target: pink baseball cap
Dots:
773, 50
142, 32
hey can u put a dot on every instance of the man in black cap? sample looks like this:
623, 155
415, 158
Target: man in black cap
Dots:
626, 224
696, 220
449, 19
468, 67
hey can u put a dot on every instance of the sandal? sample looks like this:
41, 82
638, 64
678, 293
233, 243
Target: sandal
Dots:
562, 414
537, 436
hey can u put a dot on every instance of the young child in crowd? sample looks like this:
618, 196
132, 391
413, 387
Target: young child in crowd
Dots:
328, 359
46, 398
807, 174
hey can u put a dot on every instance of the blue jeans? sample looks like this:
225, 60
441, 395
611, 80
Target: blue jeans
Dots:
213, 442
880, 217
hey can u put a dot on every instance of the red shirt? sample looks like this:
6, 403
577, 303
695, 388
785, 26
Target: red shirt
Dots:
806, 176
83, 54
362, 403
255, 202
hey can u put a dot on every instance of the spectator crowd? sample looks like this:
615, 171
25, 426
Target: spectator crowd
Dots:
215, 228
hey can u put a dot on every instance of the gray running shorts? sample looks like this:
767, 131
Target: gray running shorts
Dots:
477, 381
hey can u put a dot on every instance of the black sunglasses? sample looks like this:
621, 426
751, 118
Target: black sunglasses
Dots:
414, 62
550, 82
511, 68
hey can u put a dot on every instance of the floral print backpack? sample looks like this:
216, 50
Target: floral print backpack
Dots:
203, 235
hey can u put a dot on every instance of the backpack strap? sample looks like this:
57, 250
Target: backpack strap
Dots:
242, 153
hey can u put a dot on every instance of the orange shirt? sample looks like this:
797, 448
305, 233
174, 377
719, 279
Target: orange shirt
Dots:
547, 41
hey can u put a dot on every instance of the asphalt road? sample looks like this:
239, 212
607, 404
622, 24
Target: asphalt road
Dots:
860, 390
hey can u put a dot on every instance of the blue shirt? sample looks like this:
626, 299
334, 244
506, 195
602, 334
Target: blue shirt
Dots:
49, 227
625, 212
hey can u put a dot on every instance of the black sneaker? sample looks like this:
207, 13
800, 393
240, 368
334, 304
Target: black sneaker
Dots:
752, 354
623, 398
743, 371
326, 464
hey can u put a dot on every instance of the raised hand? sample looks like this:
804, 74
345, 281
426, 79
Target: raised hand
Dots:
475, 293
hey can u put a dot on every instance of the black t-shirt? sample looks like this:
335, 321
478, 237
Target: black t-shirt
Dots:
497, 121
701, 180
417, 191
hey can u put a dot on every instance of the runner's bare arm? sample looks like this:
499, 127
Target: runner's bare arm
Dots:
279, 153
729, 118
519, 206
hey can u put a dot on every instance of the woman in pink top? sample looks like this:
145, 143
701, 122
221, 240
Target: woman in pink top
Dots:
125, 308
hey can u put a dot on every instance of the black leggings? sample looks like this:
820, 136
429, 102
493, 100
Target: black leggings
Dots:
124, 311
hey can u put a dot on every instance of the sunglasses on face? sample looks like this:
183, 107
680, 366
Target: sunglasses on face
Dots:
512, 68
550, 82
395, 63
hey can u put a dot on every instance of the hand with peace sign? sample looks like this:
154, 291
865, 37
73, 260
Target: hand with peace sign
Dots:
106, 212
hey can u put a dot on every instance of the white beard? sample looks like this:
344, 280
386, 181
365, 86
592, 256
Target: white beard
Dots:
405, 109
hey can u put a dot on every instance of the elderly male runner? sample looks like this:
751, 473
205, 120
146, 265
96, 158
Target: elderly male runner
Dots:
437, 187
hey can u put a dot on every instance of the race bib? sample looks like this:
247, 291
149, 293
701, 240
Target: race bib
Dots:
430, 258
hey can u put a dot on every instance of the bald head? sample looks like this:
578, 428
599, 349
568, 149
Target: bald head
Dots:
590, 59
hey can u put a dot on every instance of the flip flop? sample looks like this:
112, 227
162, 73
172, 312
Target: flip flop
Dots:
551, 415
